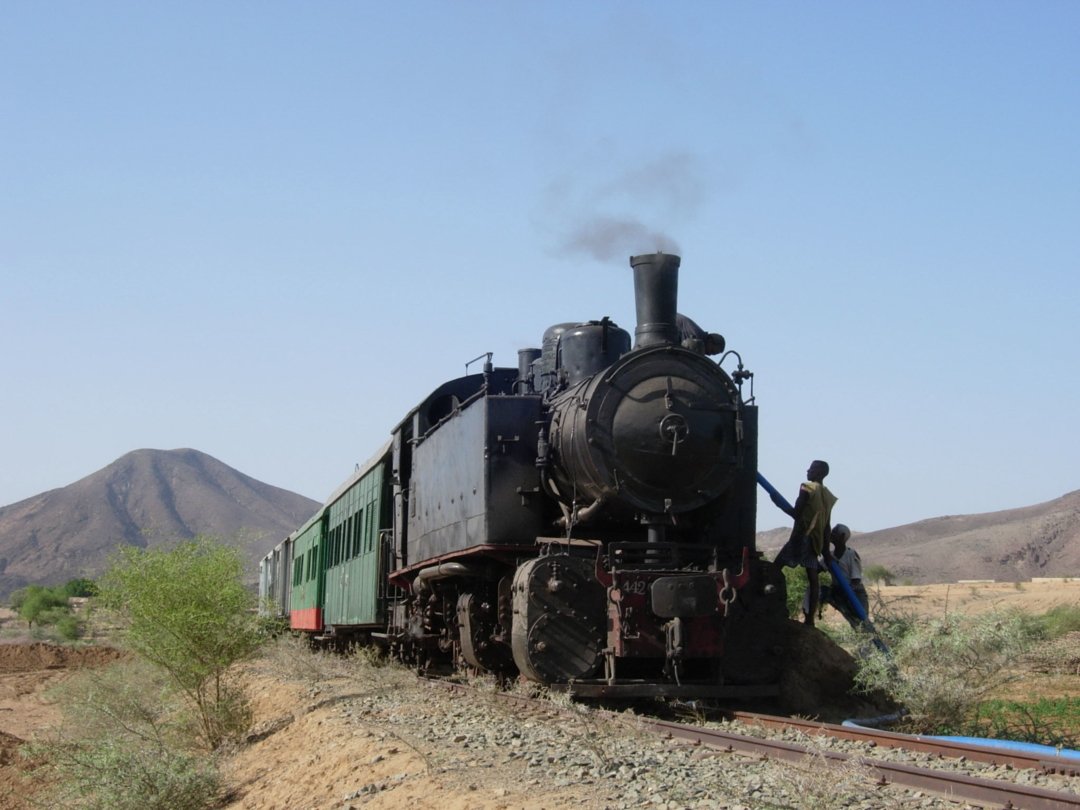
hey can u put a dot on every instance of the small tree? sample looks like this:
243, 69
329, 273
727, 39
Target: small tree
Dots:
189, 613
80, 587
879, 573
38, 602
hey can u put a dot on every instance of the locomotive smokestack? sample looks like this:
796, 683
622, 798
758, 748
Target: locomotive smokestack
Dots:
656, 293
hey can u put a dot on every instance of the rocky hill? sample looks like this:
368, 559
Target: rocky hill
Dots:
1012, 545
145, 498
150, 497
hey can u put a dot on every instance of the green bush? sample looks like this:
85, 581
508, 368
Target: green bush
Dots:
115, 777
1055, 623
54, 616
37, 603
1059, 620
69, 628
942, 670
122, 745
187, 611
878, 573
892, 624
80, 588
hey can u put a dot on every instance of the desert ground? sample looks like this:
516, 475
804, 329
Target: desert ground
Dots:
977, 596
269, 775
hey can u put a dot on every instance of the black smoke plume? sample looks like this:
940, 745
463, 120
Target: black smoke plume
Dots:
609, 217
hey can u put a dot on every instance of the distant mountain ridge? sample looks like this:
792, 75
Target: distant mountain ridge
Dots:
148, 498
1011, 545
145, 498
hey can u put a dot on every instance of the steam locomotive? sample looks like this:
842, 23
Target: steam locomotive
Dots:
585, 520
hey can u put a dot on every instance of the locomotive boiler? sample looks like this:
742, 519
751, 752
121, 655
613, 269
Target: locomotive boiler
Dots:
585, 520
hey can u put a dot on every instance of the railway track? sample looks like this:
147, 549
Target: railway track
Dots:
947, 783
909, 742
754, 737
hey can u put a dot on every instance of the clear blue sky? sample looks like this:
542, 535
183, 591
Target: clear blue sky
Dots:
265, 230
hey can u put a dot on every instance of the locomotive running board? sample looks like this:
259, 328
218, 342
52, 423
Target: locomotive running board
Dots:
643, 689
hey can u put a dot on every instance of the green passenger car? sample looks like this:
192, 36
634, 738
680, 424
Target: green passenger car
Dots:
340, 558
356, 564
308, 574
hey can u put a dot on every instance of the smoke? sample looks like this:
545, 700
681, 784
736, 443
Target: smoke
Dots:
607, 238
628, 212
671, 183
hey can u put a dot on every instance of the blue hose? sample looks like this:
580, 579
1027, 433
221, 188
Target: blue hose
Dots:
1015, 745
985, 742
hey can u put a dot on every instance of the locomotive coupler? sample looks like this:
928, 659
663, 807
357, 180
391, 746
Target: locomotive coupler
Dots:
727, 583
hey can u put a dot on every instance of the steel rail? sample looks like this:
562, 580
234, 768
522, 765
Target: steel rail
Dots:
950, 784
916, 742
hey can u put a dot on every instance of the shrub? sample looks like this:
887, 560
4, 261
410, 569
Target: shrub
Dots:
188, 611
121, 746
1060, 620
80, 588
69, 628
878, 573
40, 604
1058, 656
1055, 623
942, 670
891, 623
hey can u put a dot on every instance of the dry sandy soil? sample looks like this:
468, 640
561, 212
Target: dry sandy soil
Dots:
974, 597
270, 775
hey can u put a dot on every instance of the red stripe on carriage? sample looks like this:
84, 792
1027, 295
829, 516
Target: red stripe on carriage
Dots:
306, 619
